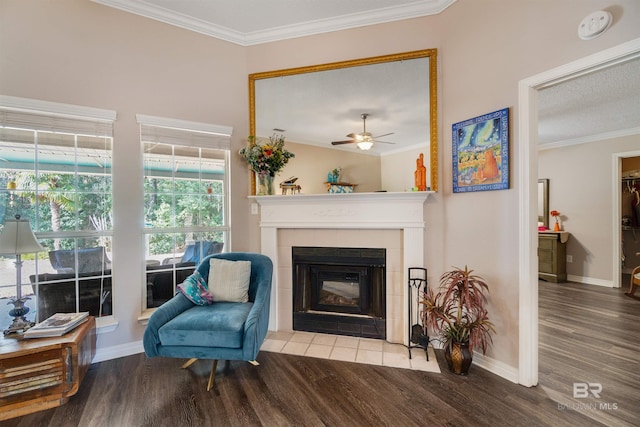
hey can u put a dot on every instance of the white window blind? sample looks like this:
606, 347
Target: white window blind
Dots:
28, 114
186, 133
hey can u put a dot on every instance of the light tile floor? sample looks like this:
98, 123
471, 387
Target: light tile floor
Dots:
350, 349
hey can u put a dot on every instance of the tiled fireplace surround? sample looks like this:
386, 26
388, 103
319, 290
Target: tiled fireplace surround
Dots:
394, 221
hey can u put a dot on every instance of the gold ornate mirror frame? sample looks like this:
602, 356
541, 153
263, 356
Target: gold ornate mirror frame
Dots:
433, 110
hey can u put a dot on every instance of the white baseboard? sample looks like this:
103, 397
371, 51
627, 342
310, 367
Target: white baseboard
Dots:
590, 281
116, 351
495, 367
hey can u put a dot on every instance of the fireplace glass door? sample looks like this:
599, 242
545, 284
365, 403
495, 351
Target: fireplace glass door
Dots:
341, 289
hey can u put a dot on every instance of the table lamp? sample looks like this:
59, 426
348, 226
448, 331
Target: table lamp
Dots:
17, 238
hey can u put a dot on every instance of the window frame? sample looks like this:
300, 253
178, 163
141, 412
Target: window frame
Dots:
182, 133
44, 117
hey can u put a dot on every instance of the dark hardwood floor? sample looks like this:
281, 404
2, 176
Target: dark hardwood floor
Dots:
587, 334
591, 334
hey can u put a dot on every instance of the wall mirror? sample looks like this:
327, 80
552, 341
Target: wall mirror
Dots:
322, 104
543, 202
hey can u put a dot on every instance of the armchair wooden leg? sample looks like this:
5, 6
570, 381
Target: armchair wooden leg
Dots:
189, 363
254, 362
213, 374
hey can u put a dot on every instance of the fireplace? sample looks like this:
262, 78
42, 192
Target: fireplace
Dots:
394, 221
339, 290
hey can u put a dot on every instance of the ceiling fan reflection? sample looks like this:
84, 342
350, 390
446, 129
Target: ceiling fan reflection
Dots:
364, 139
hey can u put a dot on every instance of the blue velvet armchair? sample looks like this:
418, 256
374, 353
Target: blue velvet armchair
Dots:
223, 330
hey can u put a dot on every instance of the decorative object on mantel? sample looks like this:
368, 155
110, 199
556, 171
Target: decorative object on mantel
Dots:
481, 153
335, 186
266, 160
420, 175
555, 214
457, 313
290, 185
334, 175
340, 187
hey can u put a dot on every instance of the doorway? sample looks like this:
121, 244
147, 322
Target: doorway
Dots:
629, 213
528, 174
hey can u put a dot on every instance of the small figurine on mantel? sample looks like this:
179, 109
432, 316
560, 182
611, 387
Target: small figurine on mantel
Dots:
334, 175
420, 175
290, 185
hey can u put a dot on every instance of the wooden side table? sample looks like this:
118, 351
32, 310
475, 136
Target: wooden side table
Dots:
552, 256
42, 373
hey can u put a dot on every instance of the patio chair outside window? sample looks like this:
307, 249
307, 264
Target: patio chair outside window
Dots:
89, 260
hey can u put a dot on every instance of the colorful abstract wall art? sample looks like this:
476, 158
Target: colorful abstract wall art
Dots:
481, 153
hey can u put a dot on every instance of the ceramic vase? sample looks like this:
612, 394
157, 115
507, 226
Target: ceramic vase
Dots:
459, 357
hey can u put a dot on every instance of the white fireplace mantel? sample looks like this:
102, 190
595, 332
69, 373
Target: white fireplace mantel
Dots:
358, 211
355, 210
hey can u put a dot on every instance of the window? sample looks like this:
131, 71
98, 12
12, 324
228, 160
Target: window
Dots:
55, 171
185, 200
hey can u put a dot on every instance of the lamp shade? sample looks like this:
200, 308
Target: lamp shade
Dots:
365, 145
18, 238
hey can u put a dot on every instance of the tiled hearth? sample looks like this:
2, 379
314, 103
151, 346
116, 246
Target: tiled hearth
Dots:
350, 349
394, 221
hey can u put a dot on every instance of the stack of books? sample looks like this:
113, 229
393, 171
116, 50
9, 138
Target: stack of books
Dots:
56, 325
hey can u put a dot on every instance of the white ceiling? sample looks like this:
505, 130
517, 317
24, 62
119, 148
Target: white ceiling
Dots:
249, 22
601, 103
593, 106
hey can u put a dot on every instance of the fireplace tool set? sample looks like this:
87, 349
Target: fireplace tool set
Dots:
418, 337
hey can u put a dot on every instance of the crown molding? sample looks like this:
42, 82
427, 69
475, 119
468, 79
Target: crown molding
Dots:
589, 138
378, 16
345, 22
174, 18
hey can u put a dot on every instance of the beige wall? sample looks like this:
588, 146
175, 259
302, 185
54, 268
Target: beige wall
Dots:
79, 52
580, 188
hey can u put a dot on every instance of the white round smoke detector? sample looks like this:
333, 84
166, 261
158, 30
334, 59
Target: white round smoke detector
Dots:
594, 25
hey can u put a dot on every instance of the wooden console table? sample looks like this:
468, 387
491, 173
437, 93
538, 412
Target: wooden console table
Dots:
552, 256
42, 373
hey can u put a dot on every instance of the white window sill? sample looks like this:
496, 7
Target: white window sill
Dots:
106, 324
143, 319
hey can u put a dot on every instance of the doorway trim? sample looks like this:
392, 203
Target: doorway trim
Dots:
617, 213
527, 191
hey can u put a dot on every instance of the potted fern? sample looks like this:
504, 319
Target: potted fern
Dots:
457, 313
